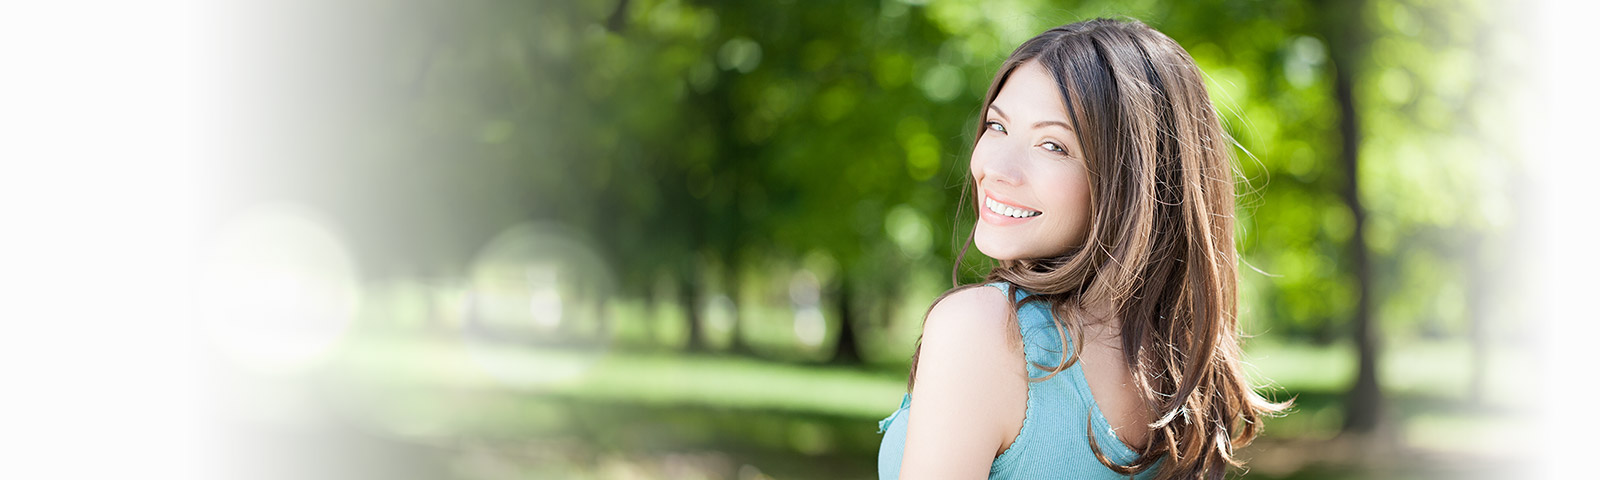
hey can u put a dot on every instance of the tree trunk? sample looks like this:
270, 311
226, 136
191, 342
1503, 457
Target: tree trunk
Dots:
1478, 294
602, 317
1364, 403
846, 349
689, 297
732, 288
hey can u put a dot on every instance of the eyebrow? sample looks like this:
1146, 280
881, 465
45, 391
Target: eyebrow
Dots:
1036, 125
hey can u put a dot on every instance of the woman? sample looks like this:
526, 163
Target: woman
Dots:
1105, 343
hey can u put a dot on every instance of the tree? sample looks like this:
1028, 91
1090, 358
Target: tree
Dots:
1346, 35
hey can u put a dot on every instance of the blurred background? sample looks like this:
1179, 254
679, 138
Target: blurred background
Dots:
695, 239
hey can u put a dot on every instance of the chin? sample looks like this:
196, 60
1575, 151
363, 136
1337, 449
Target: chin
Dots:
997, 249
1005, 247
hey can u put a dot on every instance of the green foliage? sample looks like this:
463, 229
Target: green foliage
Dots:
700, 139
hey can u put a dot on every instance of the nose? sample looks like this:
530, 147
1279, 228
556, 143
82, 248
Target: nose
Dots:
1004, 163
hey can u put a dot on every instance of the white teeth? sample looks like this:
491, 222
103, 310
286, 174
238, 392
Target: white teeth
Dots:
1008, 211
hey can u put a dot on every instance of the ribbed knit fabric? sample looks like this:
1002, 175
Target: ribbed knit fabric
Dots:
1053, 441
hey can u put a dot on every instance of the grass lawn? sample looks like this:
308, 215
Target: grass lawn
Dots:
472, 402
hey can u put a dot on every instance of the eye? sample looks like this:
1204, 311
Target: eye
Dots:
1054, 147
996, 126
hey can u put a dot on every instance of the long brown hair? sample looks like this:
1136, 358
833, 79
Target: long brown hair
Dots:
1160, 245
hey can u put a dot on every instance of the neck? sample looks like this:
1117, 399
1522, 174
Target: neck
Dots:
1099, 322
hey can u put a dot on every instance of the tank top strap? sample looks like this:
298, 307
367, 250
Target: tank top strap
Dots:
1045, 345
1043, 342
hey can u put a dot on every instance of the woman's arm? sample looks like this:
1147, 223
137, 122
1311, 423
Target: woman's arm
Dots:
971, 388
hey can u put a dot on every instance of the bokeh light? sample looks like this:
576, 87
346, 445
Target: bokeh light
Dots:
278, 288
533, 287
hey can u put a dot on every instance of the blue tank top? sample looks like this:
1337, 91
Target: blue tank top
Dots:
1052, 442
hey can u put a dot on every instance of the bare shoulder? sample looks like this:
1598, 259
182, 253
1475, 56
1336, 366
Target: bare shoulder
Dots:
979, 316
971, 389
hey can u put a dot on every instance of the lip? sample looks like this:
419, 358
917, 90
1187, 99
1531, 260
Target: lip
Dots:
990, 217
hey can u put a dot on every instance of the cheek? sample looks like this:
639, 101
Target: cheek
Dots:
1073, 196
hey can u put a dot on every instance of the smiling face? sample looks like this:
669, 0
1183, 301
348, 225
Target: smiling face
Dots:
1032, 180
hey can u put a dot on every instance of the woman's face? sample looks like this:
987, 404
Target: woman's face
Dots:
1033, 184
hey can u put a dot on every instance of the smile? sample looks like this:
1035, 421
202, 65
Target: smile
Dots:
1007, 210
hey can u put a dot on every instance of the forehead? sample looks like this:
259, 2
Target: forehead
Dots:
1031, 93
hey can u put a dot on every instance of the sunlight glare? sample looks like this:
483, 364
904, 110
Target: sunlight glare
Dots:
278, 289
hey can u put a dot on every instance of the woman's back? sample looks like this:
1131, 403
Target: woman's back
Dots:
1053, 441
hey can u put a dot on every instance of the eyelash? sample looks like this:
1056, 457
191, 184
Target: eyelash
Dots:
994, 126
